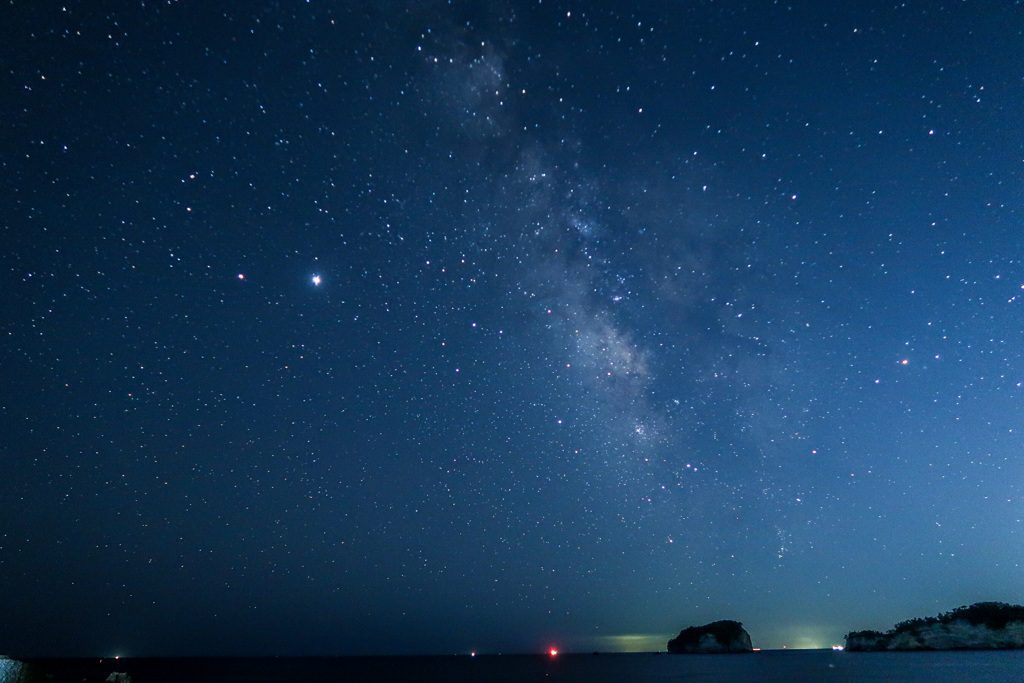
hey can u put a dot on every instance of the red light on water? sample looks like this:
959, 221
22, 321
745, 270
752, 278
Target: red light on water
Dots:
552, 652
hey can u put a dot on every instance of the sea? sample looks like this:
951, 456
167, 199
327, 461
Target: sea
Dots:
787, 666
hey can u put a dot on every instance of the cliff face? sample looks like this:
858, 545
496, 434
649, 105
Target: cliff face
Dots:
720, 637
956, 635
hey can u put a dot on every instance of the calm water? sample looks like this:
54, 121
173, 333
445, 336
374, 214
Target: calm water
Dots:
760, 667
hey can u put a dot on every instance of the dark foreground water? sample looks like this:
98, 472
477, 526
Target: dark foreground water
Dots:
759, 667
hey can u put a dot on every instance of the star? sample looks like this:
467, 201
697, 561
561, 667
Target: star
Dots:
316, 280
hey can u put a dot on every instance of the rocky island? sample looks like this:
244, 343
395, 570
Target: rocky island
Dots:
719, 637
982, 626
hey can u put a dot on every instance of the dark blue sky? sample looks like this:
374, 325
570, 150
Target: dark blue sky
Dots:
351, 328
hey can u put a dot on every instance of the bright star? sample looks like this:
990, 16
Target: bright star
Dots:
316, 280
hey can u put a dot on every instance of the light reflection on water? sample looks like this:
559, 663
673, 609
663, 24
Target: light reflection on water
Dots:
770, 666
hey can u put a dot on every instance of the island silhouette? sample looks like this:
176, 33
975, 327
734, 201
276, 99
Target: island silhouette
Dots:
982, 626
719, 637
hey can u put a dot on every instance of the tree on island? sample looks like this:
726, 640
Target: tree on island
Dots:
993, 615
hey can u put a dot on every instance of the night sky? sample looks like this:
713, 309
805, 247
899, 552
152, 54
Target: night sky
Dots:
438, 327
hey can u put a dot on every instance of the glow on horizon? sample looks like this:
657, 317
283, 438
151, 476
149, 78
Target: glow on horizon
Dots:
806, 642
633, 642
